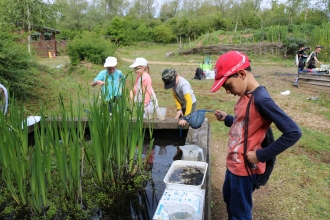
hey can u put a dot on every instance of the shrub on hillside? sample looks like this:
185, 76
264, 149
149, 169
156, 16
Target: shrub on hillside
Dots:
17, 71
164, 34
292, 45
89, 47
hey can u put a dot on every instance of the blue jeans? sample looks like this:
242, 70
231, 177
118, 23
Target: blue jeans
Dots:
237, 194
300, 69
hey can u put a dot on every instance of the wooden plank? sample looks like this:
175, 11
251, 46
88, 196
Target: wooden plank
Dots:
325, 77
317, 88
315, 82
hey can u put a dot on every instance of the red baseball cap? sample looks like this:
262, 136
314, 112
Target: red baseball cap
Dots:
227, 65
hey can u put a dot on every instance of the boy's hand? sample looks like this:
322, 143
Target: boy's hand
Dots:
220, 115
178, 114
252, 156
182, 123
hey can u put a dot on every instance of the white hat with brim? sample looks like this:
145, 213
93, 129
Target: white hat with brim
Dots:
110, 62
140, 61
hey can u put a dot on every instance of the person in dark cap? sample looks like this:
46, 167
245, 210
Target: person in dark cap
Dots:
184, 97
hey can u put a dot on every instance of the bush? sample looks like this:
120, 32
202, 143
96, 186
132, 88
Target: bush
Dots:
90, 47
292, 45
164, 34
17, 71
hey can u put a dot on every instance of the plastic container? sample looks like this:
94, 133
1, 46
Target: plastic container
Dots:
185, 187
149, 113
161, 113
191, 152
180, 211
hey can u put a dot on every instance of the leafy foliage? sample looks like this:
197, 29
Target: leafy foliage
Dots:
90, 47
17, 71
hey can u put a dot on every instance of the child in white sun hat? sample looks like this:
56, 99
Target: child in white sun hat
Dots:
109, 79
143, 86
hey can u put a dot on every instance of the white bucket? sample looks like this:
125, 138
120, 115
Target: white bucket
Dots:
191, 152
149, 111
161, 113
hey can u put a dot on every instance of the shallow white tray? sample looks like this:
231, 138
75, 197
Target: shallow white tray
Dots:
182, 163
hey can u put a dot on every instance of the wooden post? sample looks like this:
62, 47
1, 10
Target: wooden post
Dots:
180, 43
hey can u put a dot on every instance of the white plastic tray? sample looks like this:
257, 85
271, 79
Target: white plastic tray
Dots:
185, 187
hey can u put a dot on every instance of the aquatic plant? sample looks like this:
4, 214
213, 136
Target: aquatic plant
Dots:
61, 163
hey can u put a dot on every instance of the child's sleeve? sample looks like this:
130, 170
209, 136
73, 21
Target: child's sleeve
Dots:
291, 133
100, 76
188, 99
120, 74
177, 102
229, 119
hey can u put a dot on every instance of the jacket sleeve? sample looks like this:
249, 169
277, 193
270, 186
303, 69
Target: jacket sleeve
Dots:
291, 133
188, 99
177, 103
229, 119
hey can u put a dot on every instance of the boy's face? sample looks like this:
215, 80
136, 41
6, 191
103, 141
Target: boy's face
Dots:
318, 50
111, 70
236, 84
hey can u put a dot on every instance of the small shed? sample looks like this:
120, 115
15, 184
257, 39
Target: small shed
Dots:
44, 41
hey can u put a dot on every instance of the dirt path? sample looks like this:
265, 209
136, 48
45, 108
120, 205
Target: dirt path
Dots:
163, 63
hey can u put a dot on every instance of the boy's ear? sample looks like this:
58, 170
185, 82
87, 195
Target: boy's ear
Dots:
242, 74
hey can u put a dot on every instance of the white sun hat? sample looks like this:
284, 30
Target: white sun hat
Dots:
110, 62
140, 61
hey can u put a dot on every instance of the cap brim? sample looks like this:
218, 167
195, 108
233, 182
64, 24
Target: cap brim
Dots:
110, 64
133, 65
169, 85
218, 83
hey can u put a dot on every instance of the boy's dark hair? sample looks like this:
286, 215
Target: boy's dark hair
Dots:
235, 75
318, 47
301, 45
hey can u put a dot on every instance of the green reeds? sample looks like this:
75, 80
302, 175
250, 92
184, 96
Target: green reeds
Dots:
13, 152
117, 139
67, 140
55, 163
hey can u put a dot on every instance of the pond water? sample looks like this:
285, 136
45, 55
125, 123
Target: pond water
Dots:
143, 204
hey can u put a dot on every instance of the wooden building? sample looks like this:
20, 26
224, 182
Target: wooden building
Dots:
44, 41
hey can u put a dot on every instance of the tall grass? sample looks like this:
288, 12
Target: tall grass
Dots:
277, 33
56, 164
117, 142
13, 153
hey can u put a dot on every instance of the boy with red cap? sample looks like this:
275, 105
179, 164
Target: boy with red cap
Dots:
244, 166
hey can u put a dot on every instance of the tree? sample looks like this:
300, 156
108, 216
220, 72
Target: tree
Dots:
73, 14
169, 10
24, 12
143, 9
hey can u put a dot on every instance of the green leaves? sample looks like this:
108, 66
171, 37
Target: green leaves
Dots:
89, 47
55, 164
